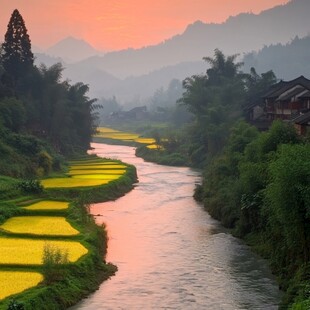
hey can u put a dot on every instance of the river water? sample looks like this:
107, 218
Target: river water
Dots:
170, 253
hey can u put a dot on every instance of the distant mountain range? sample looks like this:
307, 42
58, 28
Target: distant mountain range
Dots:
288, 61
72, 50
114, 72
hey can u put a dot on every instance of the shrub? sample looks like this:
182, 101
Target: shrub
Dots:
15, 305
30, 186
45, 162
53, 261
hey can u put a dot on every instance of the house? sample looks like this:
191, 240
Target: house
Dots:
302, 123
135, 114
286, 100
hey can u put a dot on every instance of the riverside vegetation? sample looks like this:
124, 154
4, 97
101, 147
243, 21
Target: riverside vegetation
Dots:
52, 252
255, 183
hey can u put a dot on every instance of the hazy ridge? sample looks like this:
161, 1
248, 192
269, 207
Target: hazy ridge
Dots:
131, 73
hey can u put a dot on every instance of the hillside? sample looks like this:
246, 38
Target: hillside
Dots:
131, 74
243, 33
295, 55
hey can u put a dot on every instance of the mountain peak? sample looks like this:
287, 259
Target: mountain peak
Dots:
72, 49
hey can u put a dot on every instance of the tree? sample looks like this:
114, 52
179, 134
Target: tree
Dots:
215, 100
17, 57
222, 66
288, 201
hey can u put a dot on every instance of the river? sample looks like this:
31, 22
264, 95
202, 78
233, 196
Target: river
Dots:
170, 253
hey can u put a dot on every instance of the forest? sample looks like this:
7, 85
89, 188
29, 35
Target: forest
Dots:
255, 183
42, 117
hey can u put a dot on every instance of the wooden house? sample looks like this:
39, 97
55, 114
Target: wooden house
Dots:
286, 100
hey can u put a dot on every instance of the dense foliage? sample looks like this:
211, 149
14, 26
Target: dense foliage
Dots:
256, 184
41, 116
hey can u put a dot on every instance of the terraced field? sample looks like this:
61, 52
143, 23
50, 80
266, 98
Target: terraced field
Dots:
108, 133
46, 205
26, 251
24, 238
22, 251
13, 282
39, 225
88, 173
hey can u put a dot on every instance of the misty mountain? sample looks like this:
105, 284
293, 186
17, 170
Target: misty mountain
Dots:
103, 84
287, 61
42, 58
144, 86
72, 50
243, 33
136, 74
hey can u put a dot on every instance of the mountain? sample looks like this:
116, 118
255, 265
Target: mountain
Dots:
72, 50
239, 34
42, 58
103, 84
288, 61
135, 73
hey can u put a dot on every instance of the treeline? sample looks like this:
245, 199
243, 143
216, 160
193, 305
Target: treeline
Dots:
294, 55
256, 184
259, 187
41, 117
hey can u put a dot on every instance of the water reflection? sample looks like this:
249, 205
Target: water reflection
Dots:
170, 253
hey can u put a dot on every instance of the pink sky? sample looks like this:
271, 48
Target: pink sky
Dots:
119, 24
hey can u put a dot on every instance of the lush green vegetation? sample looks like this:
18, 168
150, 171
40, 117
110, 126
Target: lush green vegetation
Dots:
257, 184
43, 122
42, 118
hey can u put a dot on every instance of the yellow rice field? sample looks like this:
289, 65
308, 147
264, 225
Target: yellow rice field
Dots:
78, 167
71, 182
118, 135
106, 130
39, 225
145, 140
98, 176
89, 163
79, 170
90, 171
13, 282
23, 251
153, 147
48, 205
108, 133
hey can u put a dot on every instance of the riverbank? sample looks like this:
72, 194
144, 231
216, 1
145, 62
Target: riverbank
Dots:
77, 279
160, 236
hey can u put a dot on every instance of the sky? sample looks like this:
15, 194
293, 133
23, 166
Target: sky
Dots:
120, 24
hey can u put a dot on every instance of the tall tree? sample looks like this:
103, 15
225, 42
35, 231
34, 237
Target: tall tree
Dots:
17, 57
215, 100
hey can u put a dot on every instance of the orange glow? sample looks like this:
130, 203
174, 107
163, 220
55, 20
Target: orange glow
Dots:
115, 24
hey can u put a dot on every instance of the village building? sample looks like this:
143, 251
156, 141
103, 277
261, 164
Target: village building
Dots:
287, 100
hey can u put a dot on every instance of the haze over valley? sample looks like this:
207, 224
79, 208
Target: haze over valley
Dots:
137, 73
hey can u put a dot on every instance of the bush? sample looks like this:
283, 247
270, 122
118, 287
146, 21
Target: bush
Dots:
53, 261
15, 305
30, 186
45, 162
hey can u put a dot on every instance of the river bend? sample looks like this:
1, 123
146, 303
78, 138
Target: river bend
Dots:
170, 253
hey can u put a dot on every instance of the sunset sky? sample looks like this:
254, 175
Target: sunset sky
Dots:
119, 24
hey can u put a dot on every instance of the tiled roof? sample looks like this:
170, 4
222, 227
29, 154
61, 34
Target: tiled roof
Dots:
302, 119
291, 94
283, 86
